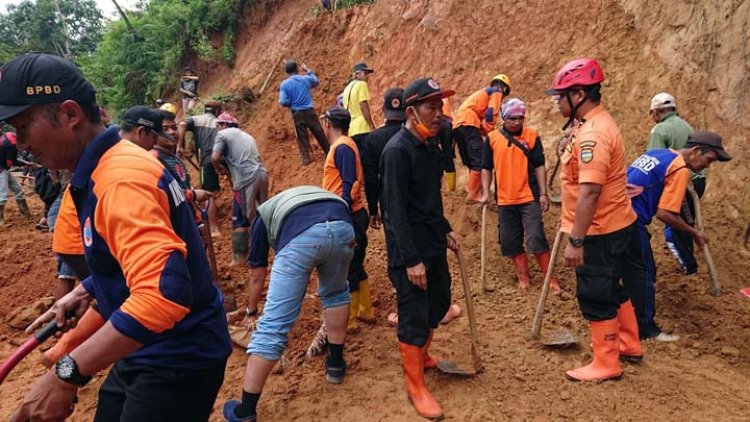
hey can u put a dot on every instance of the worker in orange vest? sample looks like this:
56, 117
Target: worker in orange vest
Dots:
343, 175
475, 118
515, 154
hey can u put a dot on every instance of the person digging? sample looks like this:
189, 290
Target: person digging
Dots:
289, 223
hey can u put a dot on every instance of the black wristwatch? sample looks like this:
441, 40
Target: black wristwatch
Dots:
67, 370
577, 242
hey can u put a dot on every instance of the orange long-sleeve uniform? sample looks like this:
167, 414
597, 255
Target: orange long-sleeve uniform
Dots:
342, 172
149, 273
480, 110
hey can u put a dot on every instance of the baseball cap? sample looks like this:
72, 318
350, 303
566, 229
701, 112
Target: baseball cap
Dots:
338, 114
662, 100
39, 78
363, 67
393, 104
709, 139
148, 118
423, 89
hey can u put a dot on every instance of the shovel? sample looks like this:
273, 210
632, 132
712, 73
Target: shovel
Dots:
209, 242
559, 338
556, 198
715, 289
487, 286
38, 338
449, 367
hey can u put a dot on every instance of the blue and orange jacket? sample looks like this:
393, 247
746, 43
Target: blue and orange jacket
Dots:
657, 179
149, 273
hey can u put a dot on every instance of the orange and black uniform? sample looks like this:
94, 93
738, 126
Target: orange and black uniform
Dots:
343, 175
514, 164
67, 242
596, 154
474, 119
151, 280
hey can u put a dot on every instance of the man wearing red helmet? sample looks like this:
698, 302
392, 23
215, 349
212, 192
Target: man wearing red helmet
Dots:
598, 216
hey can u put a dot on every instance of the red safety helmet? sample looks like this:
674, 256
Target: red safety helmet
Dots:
577, 73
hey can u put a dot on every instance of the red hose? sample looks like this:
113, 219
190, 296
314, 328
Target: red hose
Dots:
16, 357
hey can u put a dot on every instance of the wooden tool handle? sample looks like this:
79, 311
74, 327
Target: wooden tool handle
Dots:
715, 287
470, 311
483, 259
536, 327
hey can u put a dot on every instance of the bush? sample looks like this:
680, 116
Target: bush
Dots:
136, 64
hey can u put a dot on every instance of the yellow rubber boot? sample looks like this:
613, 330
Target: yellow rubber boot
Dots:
352, 327
365, 312
450, 181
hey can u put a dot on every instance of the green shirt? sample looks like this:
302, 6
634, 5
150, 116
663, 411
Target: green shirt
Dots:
671, 132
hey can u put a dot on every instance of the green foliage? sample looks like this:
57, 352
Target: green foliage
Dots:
351, 3
69, 28
135, 67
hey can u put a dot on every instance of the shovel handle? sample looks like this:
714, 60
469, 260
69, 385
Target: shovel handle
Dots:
715, 288
483, 254
536, 327
470, 310
209, 242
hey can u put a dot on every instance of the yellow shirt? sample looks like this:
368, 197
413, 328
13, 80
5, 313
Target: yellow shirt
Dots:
354, 94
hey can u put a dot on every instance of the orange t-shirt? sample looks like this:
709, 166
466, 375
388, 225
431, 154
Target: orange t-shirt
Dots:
332, 178
596, 154
473, 110
511, 166
66, 238
675, 185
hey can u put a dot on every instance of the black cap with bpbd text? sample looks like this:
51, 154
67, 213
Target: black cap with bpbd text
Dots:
38, 78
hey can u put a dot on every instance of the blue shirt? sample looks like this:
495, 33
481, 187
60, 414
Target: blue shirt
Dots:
149, 273
294, 92
297, 221
346, 163
657, 179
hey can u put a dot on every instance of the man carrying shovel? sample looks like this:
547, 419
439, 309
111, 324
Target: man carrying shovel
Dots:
596, 212
417, 235
657, 182
516, 155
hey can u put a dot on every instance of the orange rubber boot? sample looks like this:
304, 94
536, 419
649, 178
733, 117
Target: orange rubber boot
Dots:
429, 361
543, 260
474, 186
423, 401
606, 348
630, 343
90, 323
522, 269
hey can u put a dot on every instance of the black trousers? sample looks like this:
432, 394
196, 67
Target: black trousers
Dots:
146, 393
304, 120
420, 311
683, 241
357, 273
359, 140
607, 260
470, 146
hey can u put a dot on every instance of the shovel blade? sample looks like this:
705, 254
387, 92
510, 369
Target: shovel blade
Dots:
559, 339
452, 368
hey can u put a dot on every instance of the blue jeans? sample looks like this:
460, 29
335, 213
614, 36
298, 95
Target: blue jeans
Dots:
325, 247
9, 183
